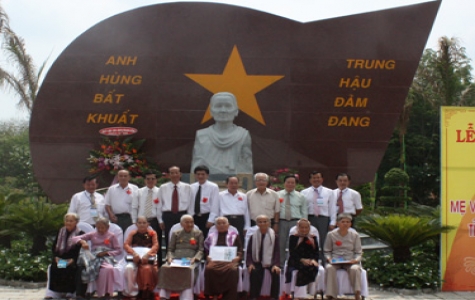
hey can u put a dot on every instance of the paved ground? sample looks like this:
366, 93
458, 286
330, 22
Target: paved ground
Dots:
18, 293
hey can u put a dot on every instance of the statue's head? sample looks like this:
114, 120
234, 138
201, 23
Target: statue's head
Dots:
224, 107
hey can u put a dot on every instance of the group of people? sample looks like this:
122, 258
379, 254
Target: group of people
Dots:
208, 218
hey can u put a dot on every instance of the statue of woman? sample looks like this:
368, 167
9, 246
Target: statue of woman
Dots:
224, 147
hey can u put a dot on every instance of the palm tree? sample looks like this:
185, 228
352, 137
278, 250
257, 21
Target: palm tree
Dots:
25, 79
401, 232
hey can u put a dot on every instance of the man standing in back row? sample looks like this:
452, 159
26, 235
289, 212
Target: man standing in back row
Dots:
263, 201
146, 203
347, 200
175, 200
119, 200
321, 206
206, 198
88, 204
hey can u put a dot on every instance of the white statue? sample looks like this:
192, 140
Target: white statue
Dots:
223, 147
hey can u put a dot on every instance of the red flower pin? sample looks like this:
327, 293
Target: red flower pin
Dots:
205, 200
192, 241
308, 242
281, 200
129, 192
151, 233
156, 201
240, 198
107, 242
338, 243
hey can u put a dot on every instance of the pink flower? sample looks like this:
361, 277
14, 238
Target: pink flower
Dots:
338, 243
156, 201
129, 192
240, 198
205, 200
107, 242
281, 200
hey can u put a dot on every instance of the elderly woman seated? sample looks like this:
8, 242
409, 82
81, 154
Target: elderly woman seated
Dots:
343, 251
263, 253
303, 257
100, 265
143, 245
221, 277
184, 249
64, 271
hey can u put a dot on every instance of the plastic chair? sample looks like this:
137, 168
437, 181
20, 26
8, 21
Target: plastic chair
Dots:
312, 288
344, 286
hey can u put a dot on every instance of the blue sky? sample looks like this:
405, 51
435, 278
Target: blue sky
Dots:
48, 26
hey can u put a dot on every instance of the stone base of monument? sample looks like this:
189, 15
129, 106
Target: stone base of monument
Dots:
246, 181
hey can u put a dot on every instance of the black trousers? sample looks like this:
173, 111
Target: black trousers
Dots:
257, 278
201, 221
238, 222
170, 219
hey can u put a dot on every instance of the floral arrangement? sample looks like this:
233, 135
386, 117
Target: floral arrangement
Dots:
116, 155
277, 179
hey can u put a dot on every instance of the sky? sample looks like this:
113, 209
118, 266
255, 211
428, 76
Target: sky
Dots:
49, 26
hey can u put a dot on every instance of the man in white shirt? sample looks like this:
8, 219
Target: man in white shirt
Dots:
233, 206
263, 201
206, 197
175, 200
347, 200
119, 200
88, 204
321, 206
146, 203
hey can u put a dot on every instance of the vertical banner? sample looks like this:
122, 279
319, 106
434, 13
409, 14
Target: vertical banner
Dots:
458, 198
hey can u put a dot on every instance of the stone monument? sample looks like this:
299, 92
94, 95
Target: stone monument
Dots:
224, 147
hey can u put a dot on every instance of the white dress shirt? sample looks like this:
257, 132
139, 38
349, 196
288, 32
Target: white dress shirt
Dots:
230, 204
209, 199
81, 205
351, 200
326, 202
139, 201
120, 199
185, 198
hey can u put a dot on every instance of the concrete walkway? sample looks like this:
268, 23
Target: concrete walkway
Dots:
20, 293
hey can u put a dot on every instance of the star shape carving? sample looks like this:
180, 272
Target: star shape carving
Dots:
234, 79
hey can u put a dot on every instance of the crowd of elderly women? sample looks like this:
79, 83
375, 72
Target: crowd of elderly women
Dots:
71, 269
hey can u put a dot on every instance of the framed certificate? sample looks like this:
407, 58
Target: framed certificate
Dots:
220, 253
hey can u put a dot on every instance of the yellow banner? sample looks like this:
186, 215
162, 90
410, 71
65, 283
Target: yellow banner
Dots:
458, 198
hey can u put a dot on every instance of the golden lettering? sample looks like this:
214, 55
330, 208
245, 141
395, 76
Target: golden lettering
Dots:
350, 102
371, 64
348, 121
120, 79
124, 118
122, 60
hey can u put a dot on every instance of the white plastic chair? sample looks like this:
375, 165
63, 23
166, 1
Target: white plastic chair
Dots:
344, 286
85, 227
312, 288
119, 267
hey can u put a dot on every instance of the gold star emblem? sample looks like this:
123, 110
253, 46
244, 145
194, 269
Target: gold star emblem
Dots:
235, 80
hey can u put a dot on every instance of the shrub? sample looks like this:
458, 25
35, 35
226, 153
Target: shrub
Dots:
421, 271
18, 263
